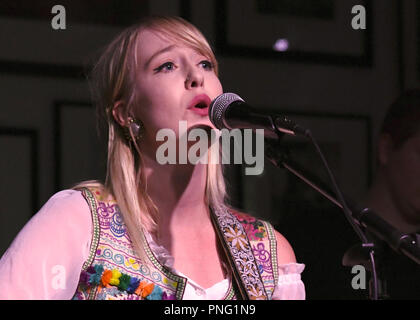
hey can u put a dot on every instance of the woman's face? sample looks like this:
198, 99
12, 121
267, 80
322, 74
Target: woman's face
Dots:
172, 79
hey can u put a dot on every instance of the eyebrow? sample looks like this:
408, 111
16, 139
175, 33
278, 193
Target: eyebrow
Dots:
166, 49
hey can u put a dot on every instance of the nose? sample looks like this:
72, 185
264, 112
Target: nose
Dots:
194, 79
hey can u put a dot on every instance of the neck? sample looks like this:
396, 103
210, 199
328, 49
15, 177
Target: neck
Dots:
381, 201
178, 191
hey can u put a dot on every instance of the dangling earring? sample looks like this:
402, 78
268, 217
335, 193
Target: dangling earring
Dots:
134, 129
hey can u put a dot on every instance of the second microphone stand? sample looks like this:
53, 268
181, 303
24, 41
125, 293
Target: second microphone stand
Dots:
359, 217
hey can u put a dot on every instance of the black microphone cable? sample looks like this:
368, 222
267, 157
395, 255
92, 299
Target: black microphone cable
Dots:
347, 213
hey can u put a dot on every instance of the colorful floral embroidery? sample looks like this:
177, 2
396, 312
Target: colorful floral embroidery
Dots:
116, 283
166, 297
106, 277
254, 228
237, 238
263, 242
240, 249
111, 219
129, 278
263, 258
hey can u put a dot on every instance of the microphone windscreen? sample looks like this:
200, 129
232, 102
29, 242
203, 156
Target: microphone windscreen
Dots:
218, 107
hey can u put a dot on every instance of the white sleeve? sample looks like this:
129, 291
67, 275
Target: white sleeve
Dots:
290, 285
45, 259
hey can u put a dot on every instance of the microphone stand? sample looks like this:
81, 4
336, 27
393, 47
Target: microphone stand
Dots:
363, 217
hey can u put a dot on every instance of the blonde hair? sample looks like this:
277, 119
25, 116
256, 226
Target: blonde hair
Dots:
112, 79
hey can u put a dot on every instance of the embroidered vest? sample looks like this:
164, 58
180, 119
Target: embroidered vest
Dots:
114, 272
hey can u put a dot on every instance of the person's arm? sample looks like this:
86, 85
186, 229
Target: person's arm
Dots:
45, 259
290, 285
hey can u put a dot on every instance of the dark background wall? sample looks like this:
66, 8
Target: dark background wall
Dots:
335, 80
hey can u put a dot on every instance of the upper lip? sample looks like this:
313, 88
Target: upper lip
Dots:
200, 99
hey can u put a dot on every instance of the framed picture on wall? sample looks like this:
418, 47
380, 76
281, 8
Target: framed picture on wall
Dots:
345, 142
410, 38
80, 153
19, 180
299, 30
35, 47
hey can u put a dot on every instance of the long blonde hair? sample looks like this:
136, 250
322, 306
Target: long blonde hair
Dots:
113, 79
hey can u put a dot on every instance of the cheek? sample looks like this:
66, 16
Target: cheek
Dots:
216, 87
404, 175
155, 106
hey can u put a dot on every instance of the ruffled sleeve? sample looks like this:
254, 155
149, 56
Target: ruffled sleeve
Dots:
45, 259
290, 285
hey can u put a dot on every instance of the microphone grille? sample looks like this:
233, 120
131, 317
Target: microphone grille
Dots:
219, 106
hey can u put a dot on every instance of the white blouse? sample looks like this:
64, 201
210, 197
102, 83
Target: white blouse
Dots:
45, 259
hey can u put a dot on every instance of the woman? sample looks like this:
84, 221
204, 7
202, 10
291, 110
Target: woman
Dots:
152, 231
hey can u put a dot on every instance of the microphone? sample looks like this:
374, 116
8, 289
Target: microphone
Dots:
229, 111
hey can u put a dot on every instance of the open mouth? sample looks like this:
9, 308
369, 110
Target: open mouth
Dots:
201, 105
201, 101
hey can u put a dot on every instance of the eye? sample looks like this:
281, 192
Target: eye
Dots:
207, 65
166, 67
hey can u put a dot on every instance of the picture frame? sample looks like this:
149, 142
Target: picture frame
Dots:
78, 11
337, 43
80, 153
345, 141
29, 138
19, 169
410, 43
37, 49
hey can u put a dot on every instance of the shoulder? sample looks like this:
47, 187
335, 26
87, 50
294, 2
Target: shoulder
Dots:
65, 205
64, 216
64, 220
66, 211
285, 253
65, 198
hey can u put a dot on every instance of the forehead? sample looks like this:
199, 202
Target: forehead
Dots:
150, 42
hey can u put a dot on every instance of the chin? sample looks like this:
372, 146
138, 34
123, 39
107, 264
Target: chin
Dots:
205, 123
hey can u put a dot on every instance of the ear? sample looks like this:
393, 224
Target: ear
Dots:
119, 113
385, 148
